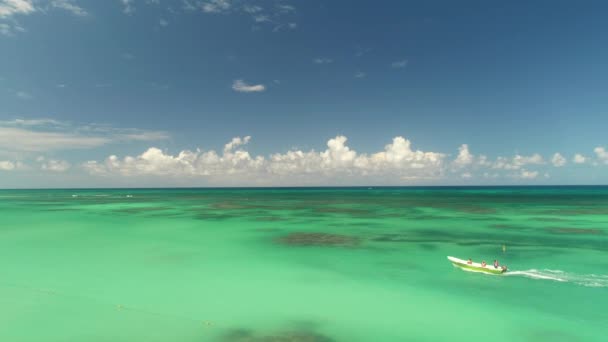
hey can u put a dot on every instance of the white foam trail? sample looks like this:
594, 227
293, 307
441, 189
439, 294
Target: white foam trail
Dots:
589, 280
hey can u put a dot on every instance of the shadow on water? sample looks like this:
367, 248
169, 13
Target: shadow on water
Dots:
247, 335
318, 239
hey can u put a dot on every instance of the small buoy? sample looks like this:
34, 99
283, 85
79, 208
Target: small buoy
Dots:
504, 248
207, 323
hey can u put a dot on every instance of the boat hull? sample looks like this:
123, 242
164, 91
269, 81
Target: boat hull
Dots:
475, 267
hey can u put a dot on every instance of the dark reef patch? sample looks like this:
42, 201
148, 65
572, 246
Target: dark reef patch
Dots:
269, 218
476, 210
319, 239
427, 246
346, 211
138, 210
246, 335
589, 231
267, 230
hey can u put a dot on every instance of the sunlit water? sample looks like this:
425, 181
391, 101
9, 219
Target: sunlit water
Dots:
303, 264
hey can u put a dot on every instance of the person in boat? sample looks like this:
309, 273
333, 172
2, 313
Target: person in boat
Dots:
483, 263
470, 262
495, 263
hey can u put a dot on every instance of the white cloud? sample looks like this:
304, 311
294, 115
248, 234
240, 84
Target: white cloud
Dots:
286, 8
466, 175
602, 154
360, 74
241, 86
24, 95
261, 18
55, 165
399, 64
322, 60
10, 8
517, 162
464, 156
289, 26
558, 160
6, 30
216, 6
163, 22
338, 162
30, 122
17, 139
6, 165
128, 7
236, 142
69, 6
9, 29
579, 159
525, 174
38, 135
188, 5
252, 9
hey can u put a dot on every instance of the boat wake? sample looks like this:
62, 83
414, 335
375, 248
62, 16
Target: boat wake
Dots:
589, 280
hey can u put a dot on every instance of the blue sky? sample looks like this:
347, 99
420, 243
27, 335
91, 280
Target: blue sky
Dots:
228, 92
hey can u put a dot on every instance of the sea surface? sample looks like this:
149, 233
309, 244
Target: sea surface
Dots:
309, 264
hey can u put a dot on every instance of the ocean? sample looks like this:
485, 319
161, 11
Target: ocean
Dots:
303, 264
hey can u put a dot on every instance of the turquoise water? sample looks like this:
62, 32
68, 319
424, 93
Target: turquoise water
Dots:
353, 264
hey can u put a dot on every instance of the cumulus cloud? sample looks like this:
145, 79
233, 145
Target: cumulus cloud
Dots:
54, 165
6, 165
525, 174
517, 162
10, 8
558, 160
601, 154
579, 159
464, 157
242, 87
398, 161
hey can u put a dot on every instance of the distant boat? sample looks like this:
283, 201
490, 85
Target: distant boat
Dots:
477, 267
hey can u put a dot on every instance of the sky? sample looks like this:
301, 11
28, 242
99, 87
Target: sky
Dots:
163, 93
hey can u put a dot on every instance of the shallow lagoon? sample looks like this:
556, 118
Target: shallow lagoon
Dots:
349, 264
